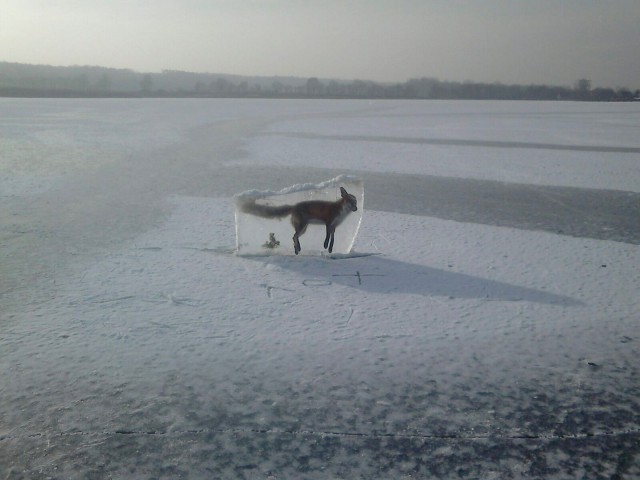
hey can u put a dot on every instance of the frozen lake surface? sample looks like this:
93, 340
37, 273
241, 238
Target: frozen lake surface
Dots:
485, 326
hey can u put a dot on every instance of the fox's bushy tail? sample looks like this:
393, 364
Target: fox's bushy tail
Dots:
249, 205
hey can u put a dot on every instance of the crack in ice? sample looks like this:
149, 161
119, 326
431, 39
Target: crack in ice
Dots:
322, 433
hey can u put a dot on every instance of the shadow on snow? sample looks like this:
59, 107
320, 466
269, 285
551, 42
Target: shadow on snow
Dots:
378, 274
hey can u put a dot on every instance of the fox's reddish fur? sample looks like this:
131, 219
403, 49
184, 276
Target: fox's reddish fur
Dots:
313, 211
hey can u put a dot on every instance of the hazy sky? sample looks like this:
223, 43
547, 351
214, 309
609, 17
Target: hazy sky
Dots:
512, 41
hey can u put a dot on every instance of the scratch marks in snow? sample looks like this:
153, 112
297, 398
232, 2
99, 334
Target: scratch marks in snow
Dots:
315, 282
343, 329
270, 289
350, 317
160, 298
101, 299
358, 275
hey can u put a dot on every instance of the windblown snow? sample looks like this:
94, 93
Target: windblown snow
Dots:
136, 342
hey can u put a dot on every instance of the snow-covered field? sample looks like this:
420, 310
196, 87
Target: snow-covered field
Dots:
134, 343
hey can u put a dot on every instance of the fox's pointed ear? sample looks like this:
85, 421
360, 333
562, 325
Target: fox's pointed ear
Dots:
343, 192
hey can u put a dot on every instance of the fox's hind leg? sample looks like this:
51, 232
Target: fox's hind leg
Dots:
296, 243
300, 227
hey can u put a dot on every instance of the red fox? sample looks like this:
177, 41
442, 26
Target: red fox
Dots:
304, 213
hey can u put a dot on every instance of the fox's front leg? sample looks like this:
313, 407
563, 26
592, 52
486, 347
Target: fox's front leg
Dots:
328, 240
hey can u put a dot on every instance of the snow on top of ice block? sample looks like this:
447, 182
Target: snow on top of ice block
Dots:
335, 182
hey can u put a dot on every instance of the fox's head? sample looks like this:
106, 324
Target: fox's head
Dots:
349, 199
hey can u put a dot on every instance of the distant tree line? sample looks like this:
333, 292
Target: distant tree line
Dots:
22, 80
